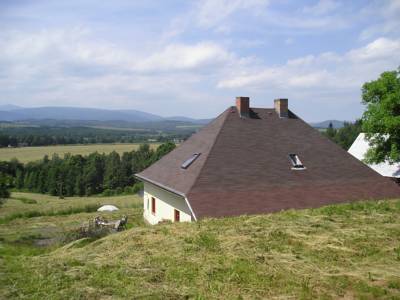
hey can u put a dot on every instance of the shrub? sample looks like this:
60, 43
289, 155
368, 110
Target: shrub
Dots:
108, 193
137, 187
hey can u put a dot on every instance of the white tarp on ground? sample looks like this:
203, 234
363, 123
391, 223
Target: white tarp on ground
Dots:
108, 208
360, 148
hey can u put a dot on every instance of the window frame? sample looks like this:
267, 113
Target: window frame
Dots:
187, 163
297, 164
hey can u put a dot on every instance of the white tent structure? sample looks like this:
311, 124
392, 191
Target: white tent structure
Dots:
108, 208
360, 147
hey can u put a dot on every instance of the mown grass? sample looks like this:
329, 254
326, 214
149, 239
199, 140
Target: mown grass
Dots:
88, 208
26, 200
27, 154
340, 251
53, 218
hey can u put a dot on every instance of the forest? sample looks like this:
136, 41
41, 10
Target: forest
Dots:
77, 175
346, 135
105, 174
57, 135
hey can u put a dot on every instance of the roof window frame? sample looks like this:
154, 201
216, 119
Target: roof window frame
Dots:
187, 163
297, 165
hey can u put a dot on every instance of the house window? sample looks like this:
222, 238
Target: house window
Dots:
153, 205
190, 160
296, 162
177, 215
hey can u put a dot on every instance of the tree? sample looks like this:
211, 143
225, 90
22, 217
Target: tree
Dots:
163, 150
4, 187
82, 175
112, 171
142, 158
93, 174
330, 131
346, 135
381, 119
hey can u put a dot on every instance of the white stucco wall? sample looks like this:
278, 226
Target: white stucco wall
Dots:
166, 203
360, 147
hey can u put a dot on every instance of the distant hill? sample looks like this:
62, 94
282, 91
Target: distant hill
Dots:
8, 107
11, 112
60, 114
325, 124
188, 120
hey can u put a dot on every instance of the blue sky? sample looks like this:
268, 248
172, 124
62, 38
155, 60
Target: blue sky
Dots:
193, 58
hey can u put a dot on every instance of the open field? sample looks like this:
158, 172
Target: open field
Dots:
26, 154
349, 251
47, 217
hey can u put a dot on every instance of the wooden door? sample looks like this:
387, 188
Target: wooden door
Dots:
177, 216
153, 205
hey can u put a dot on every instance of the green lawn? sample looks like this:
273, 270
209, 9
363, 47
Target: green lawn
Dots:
349, 251
26, 154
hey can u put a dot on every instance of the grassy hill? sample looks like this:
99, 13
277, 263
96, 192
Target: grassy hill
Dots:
349, 251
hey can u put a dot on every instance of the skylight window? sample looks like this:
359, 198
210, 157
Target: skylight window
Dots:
190, 160
296, 162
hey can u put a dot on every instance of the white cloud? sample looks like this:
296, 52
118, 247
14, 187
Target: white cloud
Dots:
212, 12
381, 48
210, 49
74, 68
385, 19
183, 57
325, 71
322, 7
62, 48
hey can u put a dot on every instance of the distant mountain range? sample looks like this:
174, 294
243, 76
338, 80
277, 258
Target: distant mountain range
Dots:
325, 124
11, 112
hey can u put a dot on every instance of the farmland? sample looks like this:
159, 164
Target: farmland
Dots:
338, 251
27, 154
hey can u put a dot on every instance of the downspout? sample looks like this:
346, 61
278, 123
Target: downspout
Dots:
191, 210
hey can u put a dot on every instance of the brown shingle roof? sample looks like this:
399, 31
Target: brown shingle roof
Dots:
244, 168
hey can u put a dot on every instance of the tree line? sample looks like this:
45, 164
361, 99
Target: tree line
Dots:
346, 135
77, 175
48, 135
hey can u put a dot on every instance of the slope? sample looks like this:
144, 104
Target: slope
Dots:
346, 250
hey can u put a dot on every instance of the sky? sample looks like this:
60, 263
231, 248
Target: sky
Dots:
192, 58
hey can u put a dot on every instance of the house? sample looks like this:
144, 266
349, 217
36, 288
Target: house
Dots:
252, 161
360, 147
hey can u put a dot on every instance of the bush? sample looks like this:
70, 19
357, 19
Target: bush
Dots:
128, 190
108, 193
137, 187
4, 187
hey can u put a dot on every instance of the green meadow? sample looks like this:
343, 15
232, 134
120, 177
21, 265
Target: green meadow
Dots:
27, 154
349, 251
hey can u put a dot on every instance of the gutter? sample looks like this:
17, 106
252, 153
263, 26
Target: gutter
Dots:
171, 190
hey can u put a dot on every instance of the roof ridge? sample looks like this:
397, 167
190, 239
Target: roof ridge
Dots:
212, 147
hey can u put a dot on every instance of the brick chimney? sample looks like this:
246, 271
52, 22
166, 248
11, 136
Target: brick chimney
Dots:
281, 107
242, 105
